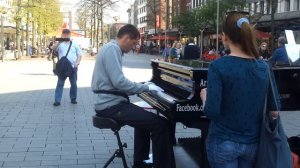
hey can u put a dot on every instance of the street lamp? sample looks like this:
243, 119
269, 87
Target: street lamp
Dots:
201, 43
146, 36
180, 33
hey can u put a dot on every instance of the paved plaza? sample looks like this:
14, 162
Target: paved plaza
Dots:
33, 133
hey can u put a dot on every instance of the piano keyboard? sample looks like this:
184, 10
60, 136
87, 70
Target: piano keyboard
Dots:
167, 97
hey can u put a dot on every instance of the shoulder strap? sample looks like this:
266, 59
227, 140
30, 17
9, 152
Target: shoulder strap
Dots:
113, 92
69, 48
270, 86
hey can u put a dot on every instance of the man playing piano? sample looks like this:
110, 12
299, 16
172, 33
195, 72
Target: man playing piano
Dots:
108, 76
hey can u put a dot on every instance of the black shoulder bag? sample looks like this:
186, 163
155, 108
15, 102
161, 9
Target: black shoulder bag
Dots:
273, 149
63, 65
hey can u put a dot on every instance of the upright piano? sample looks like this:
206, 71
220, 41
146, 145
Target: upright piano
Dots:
180, 102
182, 82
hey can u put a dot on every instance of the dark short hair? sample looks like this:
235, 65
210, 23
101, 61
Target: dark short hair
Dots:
129, 29
191, 40
282, 40
66, 31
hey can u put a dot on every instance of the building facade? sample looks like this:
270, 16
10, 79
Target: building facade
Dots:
66, 10
9, 26
133, 13
142, 15
263, 7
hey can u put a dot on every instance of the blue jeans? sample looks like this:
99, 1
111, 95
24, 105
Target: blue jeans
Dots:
60, 87
228, 154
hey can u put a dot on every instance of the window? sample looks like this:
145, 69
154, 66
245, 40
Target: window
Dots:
255, 7
262, 6
249, 7
296, 4
287, 6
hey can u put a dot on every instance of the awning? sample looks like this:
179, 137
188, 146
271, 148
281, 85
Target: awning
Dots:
262, 35
162, 37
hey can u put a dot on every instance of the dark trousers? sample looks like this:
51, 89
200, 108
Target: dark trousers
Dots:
146, 125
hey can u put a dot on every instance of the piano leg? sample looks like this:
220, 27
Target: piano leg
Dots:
204, 160
172, 131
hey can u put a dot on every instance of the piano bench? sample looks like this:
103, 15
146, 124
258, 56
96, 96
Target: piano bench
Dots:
108, 123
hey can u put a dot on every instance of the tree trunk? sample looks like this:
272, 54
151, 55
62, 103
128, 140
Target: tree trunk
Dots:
27, 30
101, 19
18, 23
273, 7
97, 27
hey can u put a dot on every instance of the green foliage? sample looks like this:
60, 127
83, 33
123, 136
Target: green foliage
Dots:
44, 13
205, 16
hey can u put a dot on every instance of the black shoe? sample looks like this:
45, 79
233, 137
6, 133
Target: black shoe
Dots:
56, 104
142, 165
73, 101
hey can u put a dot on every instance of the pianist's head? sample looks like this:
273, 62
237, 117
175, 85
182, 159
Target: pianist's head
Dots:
238, 34
128, 37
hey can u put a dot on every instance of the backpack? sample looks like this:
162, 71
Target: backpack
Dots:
64, 68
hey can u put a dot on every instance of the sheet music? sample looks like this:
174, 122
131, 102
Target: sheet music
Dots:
293, 51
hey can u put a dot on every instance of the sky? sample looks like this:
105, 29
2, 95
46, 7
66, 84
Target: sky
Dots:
119, 11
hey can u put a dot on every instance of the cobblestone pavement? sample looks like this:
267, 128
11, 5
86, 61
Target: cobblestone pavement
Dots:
33, 133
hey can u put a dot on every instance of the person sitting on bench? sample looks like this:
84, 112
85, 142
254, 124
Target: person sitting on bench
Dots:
108, 76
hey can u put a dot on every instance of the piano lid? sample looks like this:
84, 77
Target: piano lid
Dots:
187, 65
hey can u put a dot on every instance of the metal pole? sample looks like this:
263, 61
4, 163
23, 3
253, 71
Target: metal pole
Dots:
2, 38
167, 20
201, 44
218, 11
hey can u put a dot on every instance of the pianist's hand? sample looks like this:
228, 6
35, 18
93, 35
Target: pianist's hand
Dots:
153, 87
203, 94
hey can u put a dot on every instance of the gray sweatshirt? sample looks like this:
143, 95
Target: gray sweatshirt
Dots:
108, 75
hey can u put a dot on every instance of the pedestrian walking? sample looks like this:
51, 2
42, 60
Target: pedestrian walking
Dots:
166, 52
73, 53
235, 97
50, 50
263, 51
280, 56
191, 51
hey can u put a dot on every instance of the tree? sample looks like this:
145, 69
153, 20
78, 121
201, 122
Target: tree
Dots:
205, 16
97, 9
272, 4
154, 7
45, 17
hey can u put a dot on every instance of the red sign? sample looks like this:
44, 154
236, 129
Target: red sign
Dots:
157, 21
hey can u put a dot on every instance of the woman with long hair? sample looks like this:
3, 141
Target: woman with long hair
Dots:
234, 98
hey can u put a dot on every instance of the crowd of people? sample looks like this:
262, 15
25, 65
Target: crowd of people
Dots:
178, 51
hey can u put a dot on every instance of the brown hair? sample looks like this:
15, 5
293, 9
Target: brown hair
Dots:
243, 35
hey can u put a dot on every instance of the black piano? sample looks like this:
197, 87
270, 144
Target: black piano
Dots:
288, 83
180, 101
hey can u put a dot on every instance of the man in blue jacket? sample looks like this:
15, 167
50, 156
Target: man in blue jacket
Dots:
280, 55
191, 51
